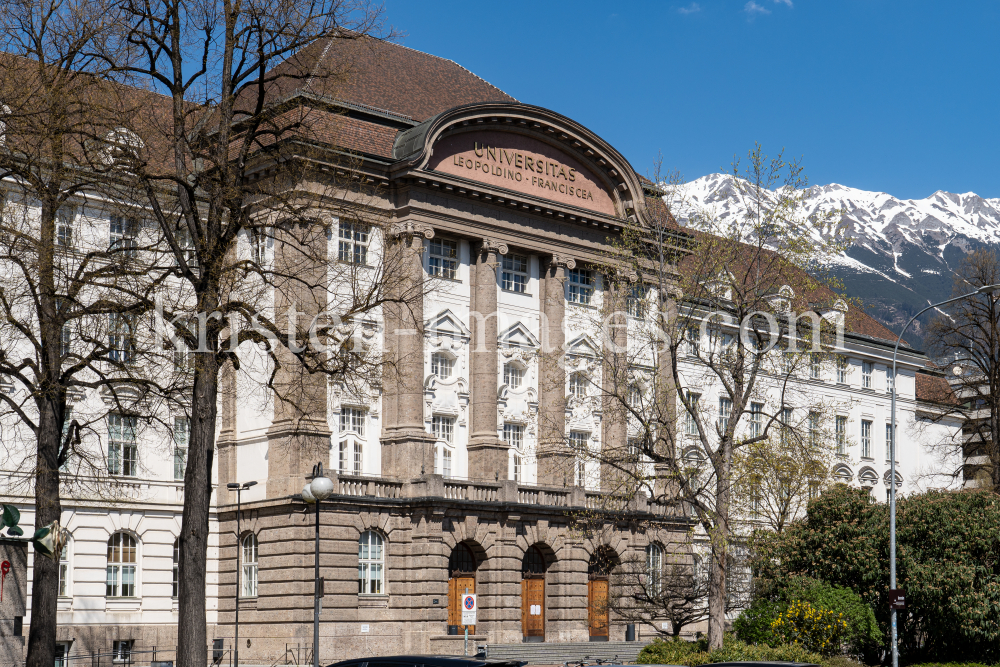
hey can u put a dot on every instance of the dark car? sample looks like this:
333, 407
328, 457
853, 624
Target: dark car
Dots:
427, 661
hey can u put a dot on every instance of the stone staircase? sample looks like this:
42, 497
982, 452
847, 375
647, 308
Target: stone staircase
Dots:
543, 653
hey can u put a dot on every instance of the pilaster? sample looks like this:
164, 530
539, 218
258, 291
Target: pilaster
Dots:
554, 456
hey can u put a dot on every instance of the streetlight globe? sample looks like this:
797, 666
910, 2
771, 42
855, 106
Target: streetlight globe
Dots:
307, 495
321, 487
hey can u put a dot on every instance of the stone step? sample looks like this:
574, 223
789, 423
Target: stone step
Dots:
544, 653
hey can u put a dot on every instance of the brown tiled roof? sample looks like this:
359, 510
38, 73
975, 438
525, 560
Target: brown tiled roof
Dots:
382, 75
934, 389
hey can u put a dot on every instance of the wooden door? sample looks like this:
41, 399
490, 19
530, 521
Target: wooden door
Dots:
456, 589
597, 607
533, 607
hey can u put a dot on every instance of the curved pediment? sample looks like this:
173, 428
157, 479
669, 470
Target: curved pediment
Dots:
526, 150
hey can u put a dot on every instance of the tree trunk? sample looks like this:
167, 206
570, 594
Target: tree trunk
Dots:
45, 571
192, 641
719, 539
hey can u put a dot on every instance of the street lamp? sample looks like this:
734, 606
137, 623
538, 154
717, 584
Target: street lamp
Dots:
987, 289
317, 490
239, 489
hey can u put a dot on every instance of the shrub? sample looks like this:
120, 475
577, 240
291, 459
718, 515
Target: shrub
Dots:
862, 637
670, 652
737, 650
815, 628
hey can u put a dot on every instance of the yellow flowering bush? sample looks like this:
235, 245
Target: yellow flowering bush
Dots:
815, 628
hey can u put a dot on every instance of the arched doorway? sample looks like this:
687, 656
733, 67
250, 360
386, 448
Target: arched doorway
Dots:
461, 579
533, 595
602, 562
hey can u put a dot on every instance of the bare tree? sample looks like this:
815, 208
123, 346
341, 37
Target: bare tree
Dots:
247, 160
968, 335
717, 308
674, 592
71, 292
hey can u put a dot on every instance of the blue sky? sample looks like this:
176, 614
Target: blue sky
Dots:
900, 97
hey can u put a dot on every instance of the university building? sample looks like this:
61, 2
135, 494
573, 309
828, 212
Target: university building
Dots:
456, 476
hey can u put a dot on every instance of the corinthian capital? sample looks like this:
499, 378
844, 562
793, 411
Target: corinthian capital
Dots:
563, 261
489, 245
410, 229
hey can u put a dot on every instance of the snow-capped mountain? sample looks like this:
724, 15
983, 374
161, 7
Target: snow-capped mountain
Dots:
902, 251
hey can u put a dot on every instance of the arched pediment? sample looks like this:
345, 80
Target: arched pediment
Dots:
538, 156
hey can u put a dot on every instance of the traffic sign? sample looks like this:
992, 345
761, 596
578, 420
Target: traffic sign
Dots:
469, 609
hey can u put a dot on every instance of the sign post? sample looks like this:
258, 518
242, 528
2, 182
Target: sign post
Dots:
469, 609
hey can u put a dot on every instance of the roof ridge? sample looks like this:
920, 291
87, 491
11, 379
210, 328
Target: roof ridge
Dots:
449, 60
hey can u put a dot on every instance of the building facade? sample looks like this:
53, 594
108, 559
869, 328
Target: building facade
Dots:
456, 473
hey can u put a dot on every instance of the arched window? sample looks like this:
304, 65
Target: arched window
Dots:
513, 375
442, 365
371, 564
121, 566
249, 566
174, 578
462, 560
635, 396
533, 561
654, 567
578, 385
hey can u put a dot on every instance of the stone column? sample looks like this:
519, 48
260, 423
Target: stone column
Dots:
407, 449
665, 395
226, 442
615, 380
487, 452
299, 436
554, 456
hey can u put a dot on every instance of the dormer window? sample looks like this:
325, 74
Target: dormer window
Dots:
4, 112
122, 148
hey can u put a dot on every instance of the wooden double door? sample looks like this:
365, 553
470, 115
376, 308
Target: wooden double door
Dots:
457, 586
533, 608
597, 609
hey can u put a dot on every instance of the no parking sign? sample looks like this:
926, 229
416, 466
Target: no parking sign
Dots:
469, 609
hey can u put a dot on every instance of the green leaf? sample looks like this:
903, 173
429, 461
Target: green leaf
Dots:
11, 516
15, 531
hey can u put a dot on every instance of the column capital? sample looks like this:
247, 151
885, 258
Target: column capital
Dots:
491, 245
626, 274
410, 229
563, 261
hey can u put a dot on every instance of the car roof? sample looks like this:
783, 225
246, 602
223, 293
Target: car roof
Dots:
430, 661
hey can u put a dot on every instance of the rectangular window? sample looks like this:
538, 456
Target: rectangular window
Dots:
691, 422
182, 436
122, 236
67, 422
350, 459
443, 259
123, 453
258, 246
443, 428
580, 472
866, 374
815, 366
64, 226
446, 462
889, 381
122, 650
786, 426
514, 273
513, 376
633, 448
62, 654
581, 286
121, 338
841, 435
635, 302
513, 436
725, 412
578, 440
841, 369
814, 490
888, 442
813, 429
352, 420
353, 246
866, 439
63, 570
756, 420
693, 337
65, 340
518, 467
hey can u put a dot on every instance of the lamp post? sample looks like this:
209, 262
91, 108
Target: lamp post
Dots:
316, 491
987, 289
239, 489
